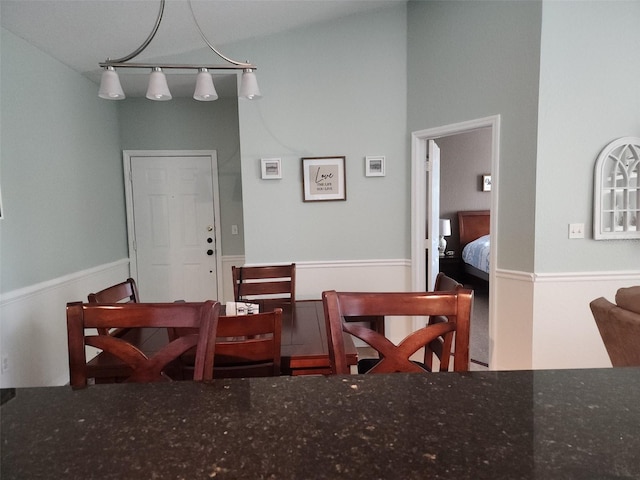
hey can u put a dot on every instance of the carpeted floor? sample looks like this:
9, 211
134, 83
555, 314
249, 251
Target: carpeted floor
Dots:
479, 338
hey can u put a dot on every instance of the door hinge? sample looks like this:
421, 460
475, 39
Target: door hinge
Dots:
427, 165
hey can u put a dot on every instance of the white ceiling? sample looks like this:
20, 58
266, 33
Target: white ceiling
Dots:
81, 33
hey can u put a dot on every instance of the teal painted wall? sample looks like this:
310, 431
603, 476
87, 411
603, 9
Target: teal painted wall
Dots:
469, 60
186, 124
589, 96
355, 87
61, 170
335, 88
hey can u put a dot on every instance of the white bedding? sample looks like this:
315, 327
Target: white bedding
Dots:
476, 253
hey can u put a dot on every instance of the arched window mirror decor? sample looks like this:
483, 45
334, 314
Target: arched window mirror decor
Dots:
616, 211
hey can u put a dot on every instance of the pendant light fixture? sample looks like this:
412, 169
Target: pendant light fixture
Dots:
110, 88
158, 89
205, 90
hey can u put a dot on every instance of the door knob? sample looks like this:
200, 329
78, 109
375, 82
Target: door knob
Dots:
209, 240
209, 252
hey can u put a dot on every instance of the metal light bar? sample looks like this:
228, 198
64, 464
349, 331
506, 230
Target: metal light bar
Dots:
111, 89
239, 66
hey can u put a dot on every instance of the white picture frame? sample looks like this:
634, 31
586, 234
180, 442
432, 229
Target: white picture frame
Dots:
374, 166
271, 168
323, 179
486, 183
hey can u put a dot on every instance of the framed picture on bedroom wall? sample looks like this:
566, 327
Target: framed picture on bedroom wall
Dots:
486, 183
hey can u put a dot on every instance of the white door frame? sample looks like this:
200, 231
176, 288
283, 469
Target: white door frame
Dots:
419, 142
128, 190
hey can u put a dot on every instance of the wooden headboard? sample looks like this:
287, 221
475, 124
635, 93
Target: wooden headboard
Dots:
473, 224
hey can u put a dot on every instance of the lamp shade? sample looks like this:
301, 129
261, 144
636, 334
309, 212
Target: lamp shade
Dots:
445, 227
158, 88
110, 88
205, 90
249, 85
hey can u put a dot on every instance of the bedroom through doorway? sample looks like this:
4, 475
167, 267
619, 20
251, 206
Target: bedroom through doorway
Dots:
467, 162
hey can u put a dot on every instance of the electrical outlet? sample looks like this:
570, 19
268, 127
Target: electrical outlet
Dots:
576, 230
5, 364
234, 229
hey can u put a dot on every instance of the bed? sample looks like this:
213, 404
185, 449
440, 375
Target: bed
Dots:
474, 228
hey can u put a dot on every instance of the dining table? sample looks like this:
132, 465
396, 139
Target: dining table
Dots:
304, 350
540, 424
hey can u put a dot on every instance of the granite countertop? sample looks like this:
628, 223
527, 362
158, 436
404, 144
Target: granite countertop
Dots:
477, 425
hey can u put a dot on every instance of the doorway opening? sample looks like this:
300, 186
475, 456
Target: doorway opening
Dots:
425, 183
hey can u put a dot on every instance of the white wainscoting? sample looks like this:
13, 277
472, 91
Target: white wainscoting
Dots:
227, 280
33, 325
510, 334
312, 278
565, 334
543, 320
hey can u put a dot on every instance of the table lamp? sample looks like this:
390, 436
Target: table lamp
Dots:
445, 231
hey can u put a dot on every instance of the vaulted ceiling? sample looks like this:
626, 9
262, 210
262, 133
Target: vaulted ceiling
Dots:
81, 33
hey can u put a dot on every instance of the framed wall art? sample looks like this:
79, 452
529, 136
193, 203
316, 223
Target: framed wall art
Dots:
271, 168
323, 179
374, 166
486, 183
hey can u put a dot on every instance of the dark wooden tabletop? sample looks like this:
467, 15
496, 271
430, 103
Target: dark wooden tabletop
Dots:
304, 343
545, 424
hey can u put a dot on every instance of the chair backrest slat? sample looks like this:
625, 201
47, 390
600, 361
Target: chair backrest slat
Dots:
249, 345
246, 345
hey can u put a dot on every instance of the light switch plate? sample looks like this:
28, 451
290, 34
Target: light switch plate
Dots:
576, 230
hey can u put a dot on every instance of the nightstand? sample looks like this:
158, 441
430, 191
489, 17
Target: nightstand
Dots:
452, 267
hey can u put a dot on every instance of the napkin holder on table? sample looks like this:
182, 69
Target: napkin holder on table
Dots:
241, 308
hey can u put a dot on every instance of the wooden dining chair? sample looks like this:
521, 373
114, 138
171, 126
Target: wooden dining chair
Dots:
455, 305
440, 345
246, 346
443, 283
249, 345
202, 317
124, 292
264, 282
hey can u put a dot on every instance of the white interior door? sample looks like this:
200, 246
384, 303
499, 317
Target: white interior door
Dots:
174, 234
433, 214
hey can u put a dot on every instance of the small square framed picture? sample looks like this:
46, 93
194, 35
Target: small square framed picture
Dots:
271, 168
374, 166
